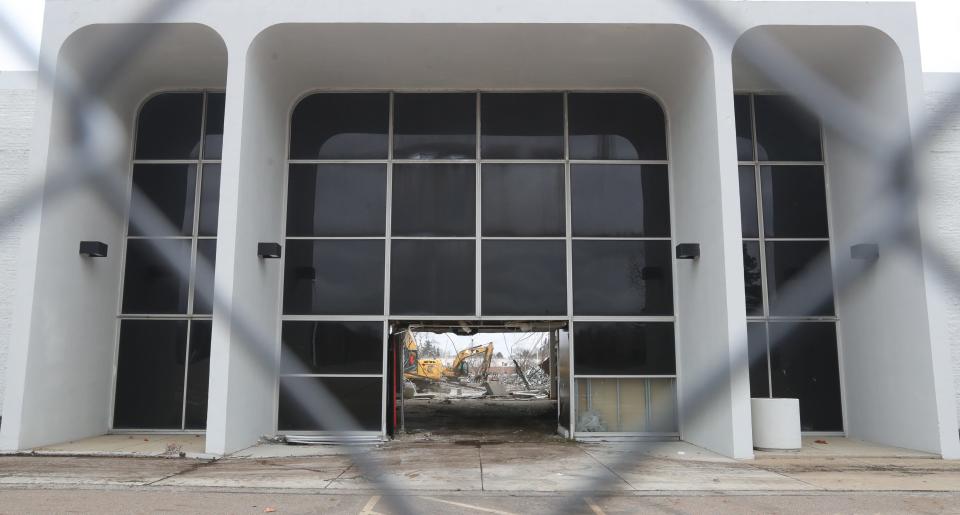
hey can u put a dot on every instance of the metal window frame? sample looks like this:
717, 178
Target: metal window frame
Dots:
766, 318
478, 161
570, 238
194, 238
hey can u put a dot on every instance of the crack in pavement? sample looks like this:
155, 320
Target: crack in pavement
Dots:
184, 471
341, 474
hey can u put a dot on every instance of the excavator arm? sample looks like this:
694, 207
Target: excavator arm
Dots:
458, 369
485, 367
426, 369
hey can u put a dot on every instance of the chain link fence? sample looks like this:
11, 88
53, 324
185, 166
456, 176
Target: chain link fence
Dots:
95, 137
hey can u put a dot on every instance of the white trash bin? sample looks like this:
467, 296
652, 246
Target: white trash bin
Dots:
776, 424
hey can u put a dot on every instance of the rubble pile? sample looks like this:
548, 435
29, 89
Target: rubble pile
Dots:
474, 372
533, 383
527, 383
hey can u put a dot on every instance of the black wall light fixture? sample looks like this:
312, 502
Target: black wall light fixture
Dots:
93, 249
268, 250
865, 251
688, 251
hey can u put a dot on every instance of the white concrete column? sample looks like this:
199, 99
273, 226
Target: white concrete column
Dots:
893, 339
242, 399
942, 217
714, 389
939, 289
14, 432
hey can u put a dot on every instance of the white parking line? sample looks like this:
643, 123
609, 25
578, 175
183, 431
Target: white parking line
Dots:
469, 506
368, 508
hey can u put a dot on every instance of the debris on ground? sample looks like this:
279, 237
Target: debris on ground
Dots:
495, 388
409, 390
174, 449
473, 372
590, 422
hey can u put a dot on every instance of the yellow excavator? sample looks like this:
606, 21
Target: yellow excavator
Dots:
432, 370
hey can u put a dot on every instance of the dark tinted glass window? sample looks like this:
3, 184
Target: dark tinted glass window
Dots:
622, 278
209, 200
803, 365
432, 277
752, 278
434, 200
149, 284
337, 200
333, 277
523, 200
616, 126
198, 374
359, 396
757, 351
785, 131
787, 260
332, 348
794, 202
620, 200
435, 126
169, 127
749, 222
168, 188
521, 125
524, 277
150, 369
340, 126
624, 348
741, 104
203, 277
213, 129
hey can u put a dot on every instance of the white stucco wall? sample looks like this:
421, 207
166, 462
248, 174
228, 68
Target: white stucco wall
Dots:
942, 192
17, 94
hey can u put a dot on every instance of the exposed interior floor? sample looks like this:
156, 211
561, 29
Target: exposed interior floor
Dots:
480, 420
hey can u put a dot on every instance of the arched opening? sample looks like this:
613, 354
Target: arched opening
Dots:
77, 323
882, 324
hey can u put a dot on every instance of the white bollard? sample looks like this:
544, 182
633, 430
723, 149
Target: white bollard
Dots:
776, 424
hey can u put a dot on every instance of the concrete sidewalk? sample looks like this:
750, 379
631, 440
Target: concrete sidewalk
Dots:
126, 474
839, 465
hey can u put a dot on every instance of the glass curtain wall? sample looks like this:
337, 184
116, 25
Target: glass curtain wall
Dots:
335, 256
623, 334
494, 205
163, 355
783, 201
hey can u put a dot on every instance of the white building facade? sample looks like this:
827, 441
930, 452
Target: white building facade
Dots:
497, 162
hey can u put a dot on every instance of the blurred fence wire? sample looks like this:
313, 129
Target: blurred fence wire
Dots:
95, 136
